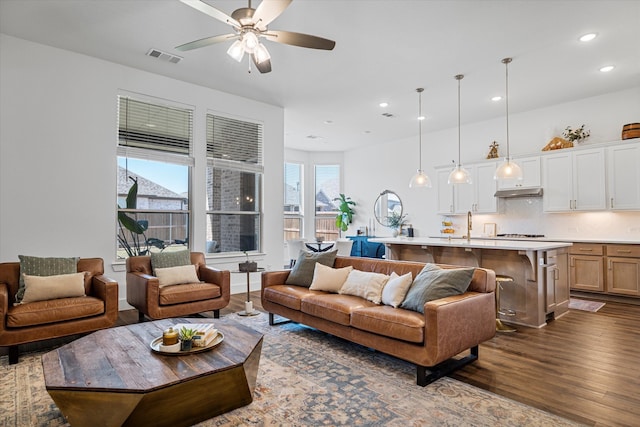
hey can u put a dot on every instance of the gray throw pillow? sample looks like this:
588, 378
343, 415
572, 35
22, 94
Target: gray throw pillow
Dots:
434, 283
38, 266
302, 273
170, 259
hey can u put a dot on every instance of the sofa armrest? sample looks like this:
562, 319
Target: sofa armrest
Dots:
457, 323
141, 288
4, 305
106, 289
270, 278
221, 278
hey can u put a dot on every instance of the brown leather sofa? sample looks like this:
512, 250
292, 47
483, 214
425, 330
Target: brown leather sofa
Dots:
40, 320
144, 293
448, 327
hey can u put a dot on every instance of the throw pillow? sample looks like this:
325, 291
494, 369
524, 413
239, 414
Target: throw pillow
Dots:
396, 289
177, 275
364, 284
434, 283
302, 273
329, 279
42, 288
169, 259
38, 266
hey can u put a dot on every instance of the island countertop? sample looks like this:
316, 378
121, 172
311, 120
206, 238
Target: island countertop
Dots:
518, 245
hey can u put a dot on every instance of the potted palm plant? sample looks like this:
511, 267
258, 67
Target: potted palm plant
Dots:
346, 213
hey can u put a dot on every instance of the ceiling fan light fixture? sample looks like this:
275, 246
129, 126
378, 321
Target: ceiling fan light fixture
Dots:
261, 54
236, 50
250, 41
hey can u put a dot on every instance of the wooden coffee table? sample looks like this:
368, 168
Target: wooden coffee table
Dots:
112, 377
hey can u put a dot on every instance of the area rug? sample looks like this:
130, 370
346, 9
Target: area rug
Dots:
308, 378
584, 305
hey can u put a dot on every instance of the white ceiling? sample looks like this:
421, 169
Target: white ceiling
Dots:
384, 51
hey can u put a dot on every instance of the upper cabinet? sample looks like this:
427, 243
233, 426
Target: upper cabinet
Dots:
623, 173
574, 181
477, 197
530, 174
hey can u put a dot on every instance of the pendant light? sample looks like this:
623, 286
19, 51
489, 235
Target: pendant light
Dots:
459, 175
508, 170
420, 180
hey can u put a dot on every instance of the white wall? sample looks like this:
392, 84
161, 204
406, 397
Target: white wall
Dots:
390, 166
58, 154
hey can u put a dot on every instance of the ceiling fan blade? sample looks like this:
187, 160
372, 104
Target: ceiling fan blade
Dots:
212, 11
206, 42
269, 10
264, 66
299, 39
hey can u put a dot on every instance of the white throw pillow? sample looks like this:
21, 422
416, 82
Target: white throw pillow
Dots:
364, 284
177, 275
42, 288
396, 289
329, 279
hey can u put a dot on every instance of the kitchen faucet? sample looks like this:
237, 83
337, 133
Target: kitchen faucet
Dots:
469, 227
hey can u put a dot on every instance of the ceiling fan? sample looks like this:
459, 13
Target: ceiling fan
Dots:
250, 25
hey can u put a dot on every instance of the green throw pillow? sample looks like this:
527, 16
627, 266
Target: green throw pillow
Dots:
170, 259
37, 266
302, 273
434, 283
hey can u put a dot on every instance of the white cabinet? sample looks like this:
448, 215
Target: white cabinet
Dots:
477, 197
574, 181
530, 174
623, 172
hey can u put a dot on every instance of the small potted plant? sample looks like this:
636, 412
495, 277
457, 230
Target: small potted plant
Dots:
577, 135
396, 222
248, 266
186, 338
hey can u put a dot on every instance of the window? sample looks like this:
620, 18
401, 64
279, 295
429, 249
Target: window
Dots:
234, 184
327, 182
154, 145
293, 215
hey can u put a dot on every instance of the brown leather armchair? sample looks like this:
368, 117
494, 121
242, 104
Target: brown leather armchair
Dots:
144, 293
40, 320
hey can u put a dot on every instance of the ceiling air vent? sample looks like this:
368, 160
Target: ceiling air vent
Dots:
164, 56
388, 115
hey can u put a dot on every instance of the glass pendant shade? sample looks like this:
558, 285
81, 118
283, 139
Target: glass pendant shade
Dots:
236, 51
508, 171
250, 42
459, 175
261, 54
420, 180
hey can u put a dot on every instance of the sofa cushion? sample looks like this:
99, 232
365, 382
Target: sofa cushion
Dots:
365, 284
189, 292
41, 288
396, 289
287, 296
302, 273
176, 275
53, 311
329, 279
390, 322
333, 307
38, 266
169, 259
434, 283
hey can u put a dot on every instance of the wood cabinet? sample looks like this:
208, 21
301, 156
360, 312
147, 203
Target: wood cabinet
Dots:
574, 181
530, 174
477, 197
605, 268
623, 173
557, 281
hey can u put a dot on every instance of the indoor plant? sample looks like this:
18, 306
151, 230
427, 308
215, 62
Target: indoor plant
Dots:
577, 135
186, 338
346, 213
396, 221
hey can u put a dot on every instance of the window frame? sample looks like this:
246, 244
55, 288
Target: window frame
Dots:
294, 215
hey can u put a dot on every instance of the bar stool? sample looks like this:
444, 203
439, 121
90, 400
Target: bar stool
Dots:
501, 327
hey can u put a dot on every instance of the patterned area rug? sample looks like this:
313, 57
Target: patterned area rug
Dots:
584, 305
308, 378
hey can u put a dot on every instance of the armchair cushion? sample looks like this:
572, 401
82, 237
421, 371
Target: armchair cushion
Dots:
37, 266
176, 275
169, 259
42, 288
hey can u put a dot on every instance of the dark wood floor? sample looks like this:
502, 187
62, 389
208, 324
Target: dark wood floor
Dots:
583, 366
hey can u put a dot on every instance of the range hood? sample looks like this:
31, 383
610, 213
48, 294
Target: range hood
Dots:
519, 192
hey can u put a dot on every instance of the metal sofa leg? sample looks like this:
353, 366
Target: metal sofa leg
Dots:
140, 316
443, 369
13, 354
216, 314
272, 321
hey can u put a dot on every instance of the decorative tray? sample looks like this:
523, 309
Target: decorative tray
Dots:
155, 346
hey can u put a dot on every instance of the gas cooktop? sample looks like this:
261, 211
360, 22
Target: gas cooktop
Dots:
521, 236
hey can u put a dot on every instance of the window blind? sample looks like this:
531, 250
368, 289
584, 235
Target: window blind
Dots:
231, 140
154, 127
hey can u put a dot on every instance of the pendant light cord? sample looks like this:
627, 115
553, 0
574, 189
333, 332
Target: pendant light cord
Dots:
419, 90
506, 62
459, 77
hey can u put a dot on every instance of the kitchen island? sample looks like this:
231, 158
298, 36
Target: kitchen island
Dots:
539, 291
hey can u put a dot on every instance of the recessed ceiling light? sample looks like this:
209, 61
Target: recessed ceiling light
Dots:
328, 122
588, 37
496, 98
421, 117
607, 68
384, 104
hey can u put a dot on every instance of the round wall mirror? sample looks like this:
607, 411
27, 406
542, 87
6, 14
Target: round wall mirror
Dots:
386, 204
